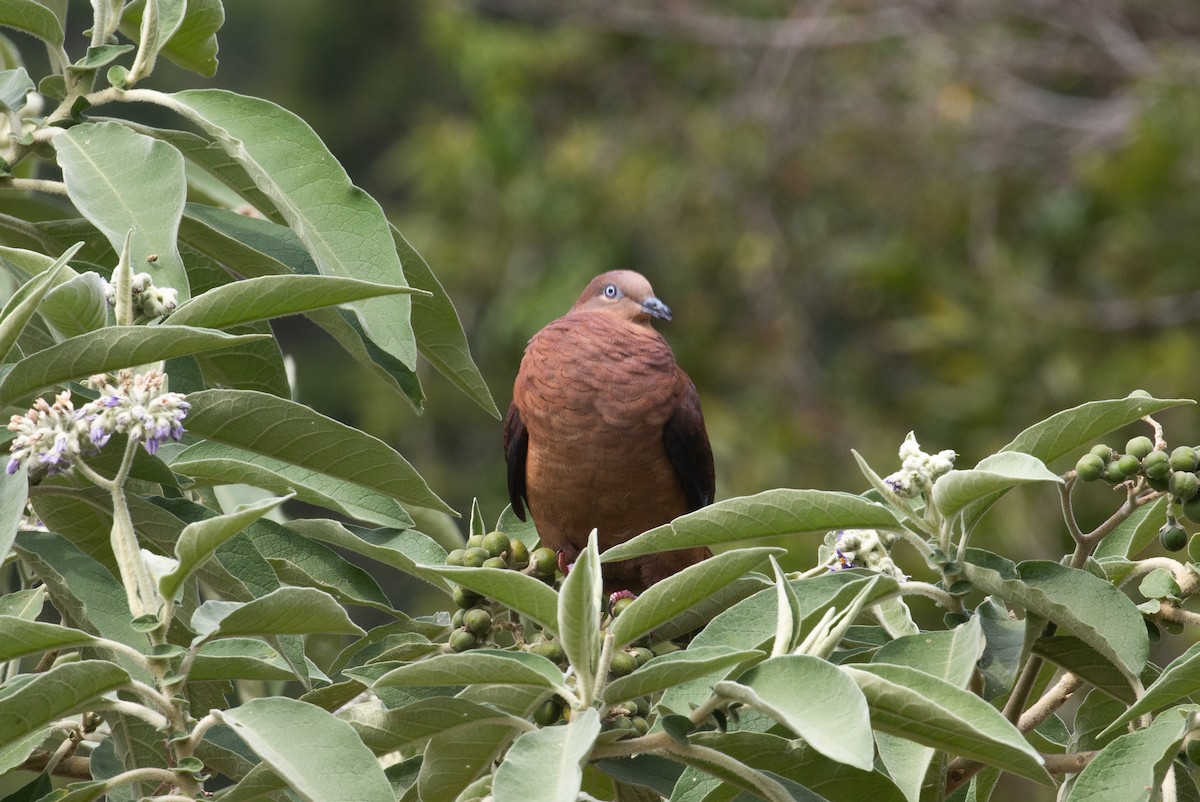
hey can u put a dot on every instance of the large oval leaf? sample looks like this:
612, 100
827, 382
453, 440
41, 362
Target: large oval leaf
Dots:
555, 755
343, 228
33, 18
286, 611
911, 704
956, 489
772, 512
521, 592
318, 755
674, 668
490, 666
123, 181
49, 696
1134, 765
109, 349
19, 637
285, 430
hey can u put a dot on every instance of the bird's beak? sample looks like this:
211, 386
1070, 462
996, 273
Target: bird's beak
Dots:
656, 308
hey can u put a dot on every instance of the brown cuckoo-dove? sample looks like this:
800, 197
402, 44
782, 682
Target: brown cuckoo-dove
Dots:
605, 431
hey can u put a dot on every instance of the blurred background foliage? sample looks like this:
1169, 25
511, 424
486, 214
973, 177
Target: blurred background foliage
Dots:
869, 217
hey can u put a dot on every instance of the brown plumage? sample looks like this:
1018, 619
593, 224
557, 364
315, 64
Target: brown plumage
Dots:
605, 431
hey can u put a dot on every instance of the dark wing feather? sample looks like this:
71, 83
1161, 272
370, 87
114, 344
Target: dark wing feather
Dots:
516, 443
687, 447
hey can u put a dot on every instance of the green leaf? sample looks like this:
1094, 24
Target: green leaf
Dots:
200, 539
1134, 533
286, 611
51, 695
440, 336
675, 668
15, 86
555, 755
664, 600
244, 658
1134, 765
1066, 431
76, 306
274, 296
294, 433
14, 492
412, 725
193, 45
1179, 679
19, 637
911, 704
492, 666
405, 549
1072, 654
343, 228
521, 592
32, 18
579, 615
316, 754
124, 181
166, 22
106, 350
212, 463
772, 512
99, 56
797, 690
21, 307
26, 604
953, 491
1081, 604
453, 762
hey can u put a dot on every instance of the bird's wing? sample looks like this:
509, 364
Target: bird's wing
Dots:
516, 443
687, 447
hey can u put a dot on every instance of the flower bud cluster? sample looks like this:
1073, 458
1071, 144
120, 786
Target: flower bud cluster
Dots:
865, 548
54, 435
918, 470
149, 301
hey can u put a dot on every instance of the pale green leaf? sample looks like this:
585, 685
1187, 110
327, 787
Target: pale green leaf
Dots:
286, 611
579, 614
491, 666
319, 756
106, 350
955, 490
1134, 765
15, 86
675, 668
124, 181
26, 604
26, 301
796, 691
274, 296
14, 492
19, 637
664, 600
245, 658
1078, 602
405, 549
294, 433
555, 755
1072, 654
911, 704
453, 762
521, 592
1179, 679
409, 726
212, 463
1134, 533
76, 306
51, 695
32, 18
772, 512
200, 539
343, 228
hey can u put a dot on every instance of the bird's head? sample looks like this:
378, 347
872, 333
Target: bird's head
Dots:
623, 293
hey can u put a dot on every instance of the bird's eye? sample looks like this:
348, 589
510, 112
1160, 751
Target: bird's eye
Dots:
611, 291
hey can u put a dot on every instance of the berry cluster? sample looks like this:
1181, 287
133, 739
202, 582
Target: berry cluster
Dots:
1174, 473
472, 621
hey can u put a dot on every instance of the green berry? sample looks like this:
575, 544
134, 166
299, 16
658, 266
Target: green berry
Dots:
643, 705
544, 561
548, 713
1089, 468
495, 562
1113, 474
1129, 465
455, 557
475, 557
1184, 459
1139, 446
462, 641
623, 663
478, 621
496, 543
518, 553
1156, 465
1157, 484
457, 619
465, 598
1183, 485
639, 725
474, 541
620, 604
550, 649
1103, 452
641, 654
1173, 537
